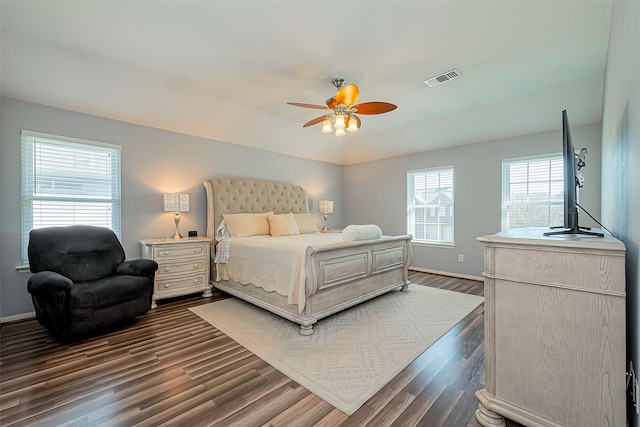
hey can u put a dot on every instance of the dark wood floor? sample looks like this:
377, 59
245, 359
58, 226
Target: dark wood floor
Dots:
170, 367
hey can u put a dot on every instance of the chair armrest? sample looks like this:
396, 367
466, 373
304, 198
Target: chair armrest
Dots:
138, 267
47, 283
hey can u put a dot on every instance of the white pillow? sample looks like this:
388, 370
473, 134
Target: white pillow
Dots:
248, 224
306, 223
361, 232
283, 225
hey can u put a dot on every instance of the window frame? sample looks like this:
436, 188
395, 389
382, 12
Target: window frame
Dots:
556, 202
31, 173
436, 211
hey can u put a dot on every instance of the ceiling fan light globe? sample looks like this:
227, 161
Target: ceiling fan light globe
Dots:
326, 126
340, 132
340, 122
353, 125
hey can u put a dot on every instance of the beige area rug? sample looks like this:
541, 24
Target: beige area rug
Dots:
352, 354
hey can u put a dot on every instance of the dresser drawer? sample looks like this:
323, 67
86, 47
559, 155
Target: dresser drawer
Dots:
185, 267
178, 251
164, 285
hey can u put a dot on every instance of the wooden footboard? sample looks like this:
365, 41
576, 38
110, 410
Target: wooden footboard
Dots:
337, 277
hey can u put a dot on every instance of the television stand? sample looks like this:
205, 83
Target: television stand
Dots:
576, 230
554, 325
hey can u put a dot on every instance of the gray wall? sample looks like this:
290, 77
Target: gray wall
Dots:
375, 192
153, 162
156, 161
621, 157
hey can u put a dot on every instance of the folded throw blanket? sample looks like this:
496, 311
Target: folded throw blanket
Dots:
361, 232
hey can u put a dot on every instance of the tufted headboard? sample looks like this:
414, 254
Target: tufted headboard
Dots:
235, 195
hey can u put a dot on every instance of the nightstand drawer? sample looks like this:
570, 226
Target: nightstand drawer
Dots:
179, 251
195, 266
176, 283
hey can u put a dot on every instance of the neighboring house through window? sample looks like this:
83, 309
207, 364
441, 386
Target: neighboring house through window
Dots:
430, 215
532, 192
68, 181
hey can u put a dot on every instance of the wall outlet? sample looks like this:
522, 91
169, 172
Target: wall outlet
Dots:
460, 258
632, 387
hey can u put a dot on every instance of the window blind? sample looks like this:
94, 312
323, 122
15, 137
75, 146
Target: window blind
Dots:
430, 215
532, 192
67, 181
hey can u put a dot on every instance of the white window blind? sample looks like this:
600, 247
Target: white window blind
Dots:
430, 204
67, 181
532, 192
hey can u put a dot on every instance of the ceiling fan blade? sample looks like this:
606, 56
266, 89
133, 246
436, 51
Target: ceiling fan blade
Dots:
348, 95
331, 102
314, 121
299, 104
374, 107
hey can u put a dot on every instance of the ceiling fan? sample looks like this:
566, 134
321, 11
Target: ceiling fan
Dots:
342, 111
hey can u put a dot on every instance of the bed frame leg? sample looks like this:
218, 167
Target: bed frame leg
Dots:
306, 330
405, 287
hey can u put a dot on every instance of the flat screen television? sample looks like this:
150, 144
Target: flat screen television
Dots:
573, 165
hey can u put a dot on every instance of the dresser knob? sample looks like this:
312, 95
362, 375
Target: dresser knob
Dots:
196, 265
167, 269
197, 250
166, 252
166, 286
196, 280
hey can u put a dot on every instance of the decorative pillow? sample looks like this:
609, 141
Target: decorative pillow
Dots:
283, 225
361, 232
248, 224
306, 223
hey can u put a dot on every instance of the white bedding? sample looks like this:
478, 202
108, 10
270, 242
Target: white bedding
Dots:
273, 263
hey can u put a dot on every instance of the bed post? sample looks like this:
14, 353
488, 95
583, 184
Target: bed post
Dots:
407, 264
211, 232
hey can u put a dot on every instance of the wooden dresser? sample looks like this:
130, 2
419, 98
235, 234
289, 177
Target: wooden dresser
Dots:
183, 266
554, 330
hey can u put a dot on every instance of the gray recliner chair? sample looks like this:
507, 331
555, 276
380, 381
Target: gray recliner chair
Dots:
81, 281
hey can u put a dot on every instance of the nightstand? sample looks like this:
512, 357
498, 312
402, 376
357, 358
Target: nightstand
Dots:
183, 266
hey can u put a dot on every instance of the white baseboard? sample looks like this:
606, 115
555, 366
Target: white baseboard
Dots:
17, 317
446, 273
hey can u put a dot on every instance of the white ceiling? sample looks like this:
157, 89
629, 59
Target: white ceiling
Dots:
225, 70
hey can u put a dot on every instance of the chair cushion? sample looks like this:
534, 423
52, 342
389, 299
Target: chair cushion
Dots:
108, 291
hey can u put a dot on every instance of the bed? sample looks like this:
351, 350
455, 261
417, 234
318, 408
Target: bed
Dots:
333, 274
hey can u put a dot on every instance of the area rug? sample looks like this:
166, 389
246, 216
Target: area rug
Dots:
352, 354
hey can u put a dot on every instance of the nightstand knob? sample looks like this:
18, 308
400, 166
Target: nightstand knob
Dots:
196, 280
197, 250
166, 252
166, 286
167, 269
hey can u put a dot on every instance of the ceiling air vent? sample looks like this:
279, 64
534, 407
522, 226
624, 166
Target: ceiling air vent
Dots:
444, 77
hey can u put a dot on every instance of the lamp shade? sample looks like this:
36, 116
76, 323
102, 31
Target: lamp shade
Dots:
176, 202
325, 206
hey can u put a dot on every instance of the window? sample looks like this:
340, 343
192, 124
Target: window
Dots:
532, 192
430, 204
67, 181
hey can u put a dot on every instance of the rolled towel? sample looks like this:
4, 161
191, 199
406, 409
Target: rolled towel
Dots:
361, 232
